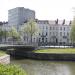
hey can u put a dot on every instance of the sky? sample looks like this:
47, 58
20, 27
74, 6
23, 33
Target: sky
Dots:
45, 9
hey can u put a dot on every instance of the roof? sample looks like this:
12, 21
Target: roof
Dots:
54, 22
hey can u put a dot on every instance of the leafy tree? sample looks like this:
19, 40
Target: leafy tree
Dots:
31, 29
72, 33
14, 34
5, 34
1, 34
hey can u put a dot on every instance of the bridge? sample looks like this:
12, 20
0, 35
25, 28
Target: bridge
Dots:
17, 47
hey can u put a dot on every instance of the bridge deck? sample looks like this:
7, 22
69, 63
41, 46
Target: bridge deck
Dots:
15, 46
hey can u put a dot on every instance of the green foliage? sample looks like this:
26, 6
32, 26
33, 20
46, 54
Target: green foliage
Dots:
11, 70
5, 33
72, 33
13, 33
1, 32
2, 53
31, 28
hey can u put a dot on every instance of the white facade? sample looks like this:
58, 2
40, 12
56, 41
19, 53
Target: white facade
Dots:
54, 33
19, 15
51, 32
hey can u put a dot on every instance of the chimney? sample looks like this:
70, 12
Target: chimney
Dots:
63, 22
56, 22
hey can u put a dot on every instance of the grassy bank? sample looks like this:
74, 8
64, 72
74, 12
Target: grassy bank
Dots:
2, 53
56, 50
11, 70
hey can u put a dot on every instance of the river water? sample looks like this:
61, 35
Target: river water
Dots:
37, 67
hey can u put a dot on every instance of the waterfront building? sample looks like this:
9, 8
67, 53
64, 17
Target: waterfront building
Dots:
52, 32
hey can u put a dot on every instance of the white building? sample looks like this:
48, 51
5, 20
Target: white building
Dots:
53, 32
56, 32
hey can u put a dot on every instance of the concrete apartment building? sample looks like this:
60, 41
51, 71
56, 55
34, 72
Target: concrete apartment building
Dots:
53, 32
19, 15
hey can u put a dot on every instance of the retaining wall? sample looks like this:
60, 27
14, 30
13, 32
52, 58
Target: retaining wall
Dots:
44, 56
5, 59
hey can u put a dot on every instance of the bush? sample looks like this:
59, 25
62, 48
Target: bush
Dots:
11, 70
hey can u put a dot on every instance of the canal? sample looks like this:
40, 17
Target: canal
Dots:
37, 67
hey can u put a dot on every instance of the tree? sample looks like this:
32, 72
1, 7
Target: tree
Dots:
5, 34
72, 33
1, 34
31, 29
14, 34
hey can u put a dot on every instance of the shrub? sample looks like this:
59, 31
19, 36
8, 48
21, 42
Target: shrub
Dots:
11, 70
2, 53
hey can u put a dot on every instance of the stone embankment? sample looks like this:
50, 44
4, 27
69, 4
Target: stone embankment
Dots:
5, 59
43, 56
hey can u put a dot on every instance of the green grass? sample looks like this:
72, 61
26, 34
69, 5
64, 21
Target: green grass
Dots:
2, 53
57, 50
11, 70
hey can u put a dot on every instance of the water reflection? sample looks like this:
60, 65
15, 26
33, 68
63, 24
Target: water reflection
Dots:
46, 67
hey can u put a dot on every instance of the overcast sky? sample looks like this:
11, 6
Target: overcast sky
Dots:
45, 9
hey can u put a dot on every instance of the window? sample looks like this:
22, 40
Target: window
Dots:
43, 27
68, 28
39, 39
56, 28
60, 33
42, 39
50, 28
42, 33
60, 28
46, 33
46, 27
53, 28
46, 39
64, 28
34, 39
53, 34
56, 33
24, 38
39, 33
60, 40
50, 33
67, 34
64, 33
